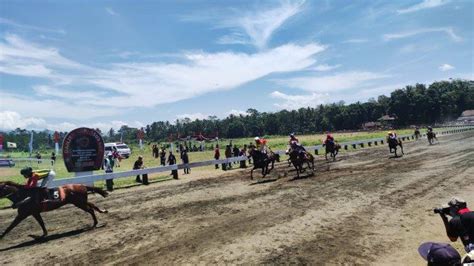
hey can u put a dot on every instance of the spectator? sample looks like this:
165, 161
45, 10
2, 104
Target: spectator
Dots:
155, 151
439, 254
53, 158
163, 156
138, 165
117, 157
461, 225
38, 156
228, 154
185, 159
243, 153
235, 152
108, 166
217, 155
172, 161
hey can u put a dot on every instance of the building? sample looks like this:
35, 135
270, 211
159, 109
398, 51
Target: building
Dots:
466, 116
387, 121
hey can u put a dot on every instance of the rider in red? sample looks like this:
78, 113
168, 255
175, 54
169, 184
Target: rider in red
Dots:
293, 139
31, 189
329, 138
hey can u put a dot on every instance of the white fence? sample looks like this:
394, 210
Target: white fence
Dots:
88, 179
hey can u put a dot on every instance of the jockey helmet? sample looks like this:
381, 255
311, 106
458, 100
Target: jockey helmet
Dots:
292, 134
257, 138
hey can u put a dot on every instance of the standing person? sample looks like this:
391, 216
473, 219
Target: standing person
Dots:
155, 151
243, 152
109, 163
163, 156
38, 156
228, 154
250, 148
217, 155
235, 152
53, 158
172, 161
138, 165
116, 156
185, 159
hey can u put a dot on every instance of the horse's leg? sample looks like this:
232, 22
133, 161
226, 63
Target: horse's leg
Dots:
85, 207
326, 155
39, 219
401, 148
97, 208
15, 222
251, 173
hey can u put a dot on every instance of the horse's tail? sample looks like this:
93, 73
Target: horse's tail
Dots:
102, 192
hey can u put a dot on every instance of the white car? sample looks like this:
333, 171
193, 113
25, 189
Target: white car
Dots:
122, 148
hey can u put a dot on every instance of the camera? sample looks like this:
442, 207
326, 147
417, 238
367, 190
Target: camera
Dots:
442, 210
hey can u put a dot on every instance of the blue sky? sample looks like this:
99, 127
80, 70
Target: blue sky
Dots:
65, 64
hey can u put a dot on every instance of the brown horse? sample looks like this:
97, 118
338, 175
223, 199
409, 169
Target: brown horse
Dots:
262, 160
332, 148
392, 145
298, 159
75, 194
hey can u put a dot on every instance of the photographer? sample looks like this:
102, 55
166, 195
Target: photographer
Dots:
461, 224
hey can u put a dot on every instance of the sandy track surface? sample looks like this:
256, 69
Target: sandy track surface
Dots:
365, 208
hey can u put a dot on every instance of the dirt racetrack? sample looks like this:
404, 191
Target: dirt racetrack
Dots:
365, 208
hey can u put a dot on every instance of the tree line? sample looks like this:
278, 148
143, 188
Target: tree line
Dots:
413, 105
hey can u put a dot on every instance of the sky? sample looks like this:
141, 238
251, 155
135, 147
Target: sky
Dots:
103, 64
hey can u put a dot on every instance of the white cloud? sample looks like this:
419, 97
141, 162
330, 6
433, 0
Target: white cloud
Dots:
447, 30
12, 23
336, 82
201, 73
445, 67
47, 108
291, 102
237, 113
10, 120
114, 88
193, 116
256, 28
111, 12
423, 5
356, 41
325, 67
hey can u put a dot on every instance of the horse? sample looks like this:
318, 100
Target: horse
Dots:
75, 194
298, 158
332, 148
392, 145
262, 160
431, 135
417, 134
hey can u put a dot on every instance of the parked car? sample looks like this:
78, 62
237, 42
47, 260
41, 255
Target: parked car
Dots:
7, 163
122, 149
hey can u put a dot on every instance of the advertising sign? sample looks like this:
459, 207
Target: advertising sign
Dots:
83, 150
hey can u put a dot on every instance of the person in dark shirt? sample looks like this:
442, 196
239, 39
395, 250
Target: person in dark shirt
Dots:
171, 161
138, 165
235, 152
53, 158
163, 157
461, 225
217, 155
185, 159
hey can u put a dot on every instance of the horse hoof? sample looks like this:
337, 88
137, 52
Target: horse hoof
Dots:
37, 237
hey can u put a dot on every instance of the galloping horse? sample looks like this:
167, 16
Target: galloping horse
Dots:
332, 148
431, 135
262, 160
69, 194
297, 159
392, 145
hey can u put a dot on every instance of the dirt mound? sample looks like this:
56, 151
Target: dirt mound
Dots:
355, 210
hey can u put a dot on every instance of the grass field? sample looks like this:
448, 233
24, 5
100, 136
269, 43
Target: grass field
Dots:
275, 142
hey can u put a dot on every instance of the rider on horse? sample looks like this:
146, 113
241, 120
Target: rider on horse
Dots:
329, 139
33, 192
261, 144
295, 145
392, 135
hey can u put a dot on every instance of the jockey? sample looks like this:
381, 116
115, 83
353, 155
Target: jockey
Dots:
329, 139
31, 188
392, 135
261, 144
293, 139
430, 129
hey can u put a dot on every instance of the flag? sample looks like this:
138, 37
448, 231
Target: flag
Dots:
11, 145
30, 145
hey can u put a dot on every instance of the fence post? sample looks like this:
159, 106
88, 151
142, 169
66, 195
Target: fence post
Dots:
354, 146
